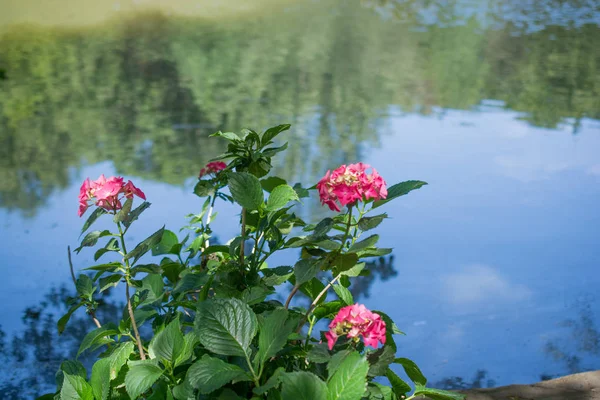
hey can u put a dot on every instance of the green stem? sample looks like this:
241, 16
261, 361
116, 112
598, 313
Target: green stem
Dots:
138, 338
254, 376
243, 235
312, 321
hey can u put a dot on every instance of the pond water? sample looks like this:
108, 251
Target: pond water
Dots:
497, 106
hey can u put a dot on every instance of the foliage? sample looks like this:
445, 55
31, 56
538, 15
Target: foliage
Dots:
215, 329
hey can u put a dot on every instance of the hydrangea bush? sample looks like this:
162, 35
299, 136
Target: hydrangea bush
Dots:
205, 320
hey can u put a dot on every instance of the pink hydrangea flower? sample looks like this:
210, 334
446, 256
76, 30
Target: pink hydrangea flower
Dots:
212, 168
349, 184
354, 321
106, 193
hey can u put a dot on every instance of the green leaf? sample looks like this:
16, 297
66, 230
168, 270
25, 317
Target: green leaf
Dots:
271, 133
189, 341
246, 190
364, 244
85, 286
276, 276
270, 183
319, 353
141, 376
280, 196
168, 343
209, 374
226, 326
255, 294
391, 329
350, 379
344, 294
108, 267
271, 383
380, 359
204, 188
399, 189
312, 289
274, 332
190, 282
109, 281
324, 226
111, 245
345, 261
368, 223
271, 151
438, 394
168, 240
91, 239
62, 322
354, 271
412, 370
144, 246
399, 387
97, 336
329, 309
302, 385
75, 388
232, 137
98, 212
100, 379
134, 215
305, 270
124, 211
119, 357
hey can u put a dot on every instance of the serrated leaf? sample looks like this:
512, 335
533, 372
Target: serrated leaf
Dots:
91, 239
271, 133
274, 331
438, 394
276, 276
271, 383
367, 223
204, 188
96, 336
302, 385
345, 261
270, 183
305, 270
354, 271
246, 190
62, 322
380, 360
168, 343
232, 137
141, 376
135, 214
319, 353
124, 211
412, 370
167, 241
364, 244
75, 388
119, 357
323, 227
189, 341
109, 281
209, 374
399, 387
84, 286
226, 326
350, 379
280, 196
343, 294
98, 212
111, 245
399, 189
100, 379
144, 246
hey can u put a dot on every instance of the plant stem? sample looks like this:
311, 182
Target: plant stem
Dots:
138, 338
208, 215
292, 294
243, 235
312, 321
254, 377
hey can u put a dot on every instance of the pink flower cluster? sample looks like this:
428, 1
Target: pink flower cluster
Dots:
106, 193
354, 321
212, 168
349, 184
